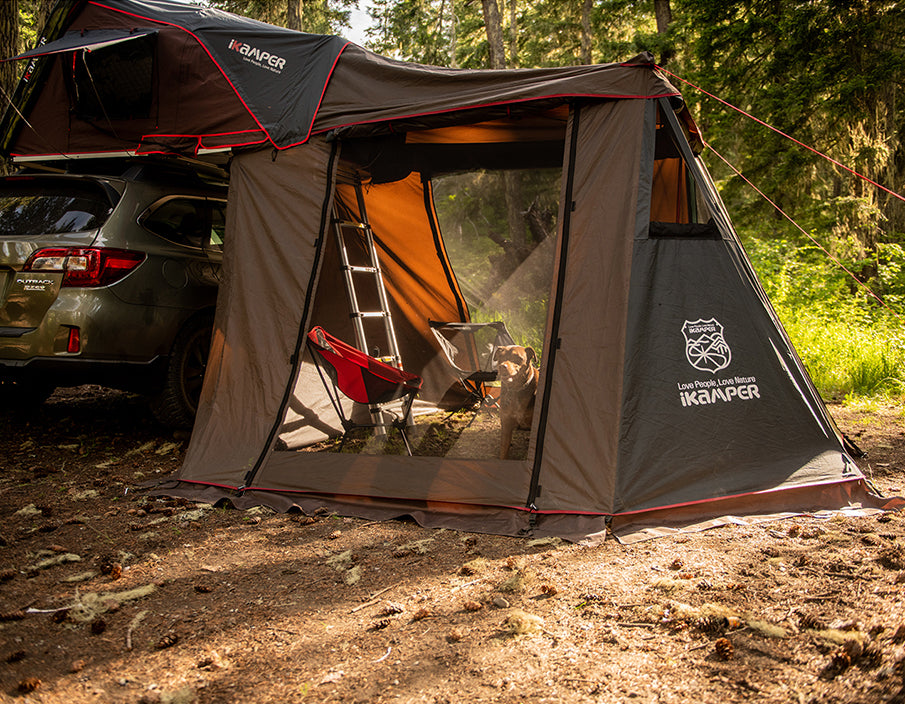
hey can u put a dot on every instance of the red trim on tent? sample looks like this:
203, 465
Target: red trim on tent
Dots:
524, 509
203, 46
320, 100
226, 77
712, 499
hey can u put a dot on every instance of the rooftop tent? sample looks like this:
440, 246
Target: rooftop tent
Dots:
667, 389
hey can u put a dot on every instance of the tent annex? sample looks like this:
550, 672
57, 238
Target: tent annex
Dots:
667, 388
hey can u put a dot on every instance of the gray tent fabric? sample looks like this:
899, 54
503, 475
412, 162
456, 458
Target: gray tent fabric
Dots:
667, 391
260, 306
88, 40
586, 387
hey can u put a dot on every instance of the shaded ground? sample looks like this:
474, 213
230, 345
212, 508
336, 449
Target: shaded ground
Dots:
108, 596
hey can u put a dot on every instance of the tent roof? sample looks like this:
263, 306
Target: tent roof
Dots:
278, 86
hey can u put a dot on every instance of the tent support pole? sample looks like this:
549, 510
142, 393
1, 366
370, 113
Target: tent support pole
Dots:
554, 342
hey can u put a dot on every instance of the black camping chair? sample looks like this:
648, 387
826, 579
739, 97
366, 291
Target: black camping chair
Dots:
469, 349
364, 379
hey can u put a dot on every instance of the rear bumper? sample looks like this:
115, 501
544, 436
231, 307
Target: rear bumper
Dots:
144, 377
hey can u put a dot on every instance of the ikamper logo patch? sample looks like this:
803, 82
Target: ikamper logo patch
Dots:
258, 57
707, 351
705, 346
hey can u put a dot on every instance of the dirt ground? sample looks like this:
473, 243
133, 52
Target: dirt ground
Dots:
108, 596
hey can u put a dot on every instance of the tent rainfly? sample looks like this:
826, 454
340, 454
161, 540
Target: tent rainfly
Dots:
668, 391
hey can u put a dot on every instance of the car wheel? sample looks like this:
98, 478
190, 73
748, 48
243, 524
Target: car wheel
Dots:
23, 394
177, 403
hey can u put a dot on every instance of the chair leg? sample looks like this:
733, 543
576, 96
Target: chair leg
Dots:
405, 440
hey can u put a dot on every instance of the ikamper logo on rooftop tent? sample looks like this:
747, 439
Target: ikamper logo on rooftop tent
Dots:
707, 351
253, 55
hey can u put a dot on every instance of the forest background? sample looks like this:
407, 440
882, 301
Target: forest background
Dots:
831, 73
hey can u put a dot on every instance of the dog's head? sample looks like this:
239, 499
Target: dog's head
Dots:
514, 363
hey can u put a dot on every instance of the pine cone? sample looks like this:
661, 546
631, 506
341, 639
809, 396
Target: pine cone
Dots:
168, 641
6, 575
893, 557
421, 614
472, 606
391, 608
871, 657
380, 625
810, 622
12, 615
29, 684
839, 663
592, 596
549, 589
723, 648
712, 624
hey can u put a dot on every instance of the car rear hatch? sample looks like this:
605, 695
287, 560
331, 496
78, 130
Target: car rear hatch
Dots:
39, 212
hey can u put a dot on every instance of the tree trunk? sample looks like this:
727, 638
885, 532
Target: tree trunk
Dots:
511, 179
586, 7
9, 46
453, 36
494, 27
664, 18
42, 9
664, 15
294, 13
513, 34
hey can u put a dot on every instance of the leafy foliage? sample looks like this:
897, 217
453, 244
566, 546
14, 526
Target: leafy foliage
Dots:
314, 16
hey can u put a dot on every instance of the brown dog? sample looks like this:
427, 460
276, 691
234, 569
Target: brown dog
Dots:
518, 385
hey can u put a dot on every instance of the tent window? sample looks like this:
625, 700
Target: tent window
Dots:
502, 252
479, 245
115, 82
675, 197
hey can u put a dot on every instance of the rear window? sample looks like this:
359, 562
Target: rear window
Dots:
35, 206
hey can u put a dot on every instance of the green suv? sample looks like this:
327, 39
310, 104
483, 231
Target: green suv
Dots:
110, 278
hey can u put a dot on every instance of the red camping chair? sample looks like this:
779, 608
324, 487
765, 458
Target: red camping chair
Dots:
364, 379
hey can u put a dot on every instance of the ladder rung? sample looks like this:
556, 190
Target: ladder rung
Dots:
375, 314
362, 269
351, 223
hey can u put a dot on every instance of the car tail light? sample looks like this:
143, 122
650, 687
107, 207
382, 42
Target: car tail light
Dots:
85, 267
74, 343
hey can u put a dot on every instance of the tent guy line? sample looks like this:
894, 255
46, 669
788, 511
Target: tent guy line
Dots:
787, 136
807, 234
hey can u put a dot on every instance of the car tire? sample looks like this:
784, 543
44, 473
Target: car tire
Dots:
175, 406
24, 394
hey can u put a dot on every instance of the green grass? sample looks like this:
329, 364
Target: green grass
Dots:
848, 357
852, 346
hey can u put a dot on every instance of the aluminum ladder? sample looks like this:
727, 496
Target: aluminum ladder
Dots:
361, 229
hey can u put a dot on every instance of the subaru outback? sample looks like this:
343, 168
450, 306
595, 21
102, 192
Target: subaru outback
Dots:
110, 278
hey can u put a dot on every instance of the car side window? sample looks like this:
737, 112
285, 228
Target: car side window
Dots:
218, 224
187, 221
